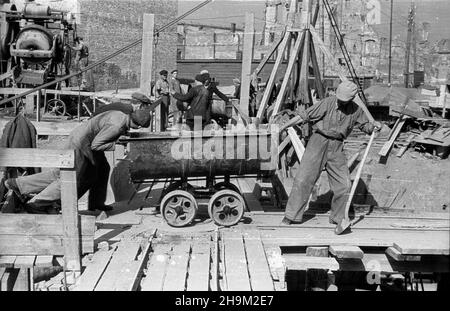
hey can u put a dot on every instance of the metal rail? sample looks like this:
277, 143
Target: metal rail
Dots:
103, 60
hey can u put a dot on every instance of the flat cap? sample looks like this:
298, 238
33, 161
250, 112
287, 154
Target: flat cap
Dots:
164, 72
141, 97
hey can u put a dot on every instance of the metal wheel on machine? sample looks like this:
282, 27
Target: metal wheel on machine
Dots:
56, 106
179, 208
226, 208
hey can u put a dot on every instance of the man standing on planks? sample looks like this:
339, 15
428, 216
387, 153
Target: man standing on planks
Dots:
333, 120
90, 140
162, 91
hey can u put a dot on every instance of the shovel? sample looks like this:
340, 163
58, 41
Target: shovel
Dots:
346, 223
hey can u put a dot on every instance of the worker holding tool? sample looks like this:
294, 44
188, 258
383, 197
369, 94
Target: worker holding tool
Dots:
333, 120
89, 140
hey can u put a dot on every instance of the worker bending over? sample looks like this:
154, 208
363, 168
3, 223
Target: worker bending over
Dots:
89, 140
333, 120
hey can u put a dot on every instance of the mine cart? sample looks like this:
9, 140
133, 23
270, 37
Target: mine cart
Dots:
184, 156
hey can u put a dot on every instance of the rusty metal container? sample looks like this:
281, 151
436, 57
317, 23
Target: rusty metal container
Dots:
201, 154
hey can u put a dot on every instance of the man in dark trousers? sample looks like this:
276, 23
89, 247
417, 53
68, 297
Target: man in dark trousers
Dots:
333, 120
198, 102
162, 91
89, 140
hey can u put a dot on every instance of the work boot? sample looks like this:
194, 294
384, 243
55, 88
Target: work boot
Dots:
333, 222
288, 222
33, 208
11, 184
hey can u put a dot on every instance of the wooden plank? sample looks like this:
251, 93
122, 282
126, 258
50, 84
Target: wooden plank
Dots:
284, 144
314, 251
388, 145
132, 272
424, 247
236, 272
126, 252
176, 274
199, 265
310, 262
94, 270
43, 261
39, 245
71, 225
394, 253
24, 262
22, 282
8, 280
37, 225
379, 237
296, 142
28, 157
288, 73
273, 75
7, 261
156, 272
346, 251
258, 267
377, 263
247, 58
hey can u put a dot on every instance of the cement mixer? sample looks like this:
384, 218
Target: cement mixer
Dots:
32, 44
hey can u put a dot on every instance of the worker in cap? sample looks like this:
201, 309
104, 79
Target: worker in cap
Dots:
141, 98
197, 101
332, 120
89, 140
162, 92
211, 85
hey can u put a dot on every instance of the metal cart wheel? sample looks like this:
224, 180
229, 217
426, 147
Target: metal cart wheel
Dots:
179, 208
56, 106
226, 208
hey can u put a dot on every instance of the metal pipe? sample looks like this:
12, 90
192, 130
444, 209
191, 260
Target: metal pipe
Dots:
105, 59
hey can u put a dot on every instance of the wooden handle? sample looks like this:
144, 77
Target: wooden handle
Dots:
358, 175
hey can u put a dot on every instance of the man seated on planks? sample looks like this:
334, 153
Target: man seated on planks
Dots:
90, 140
333, 120
196, 102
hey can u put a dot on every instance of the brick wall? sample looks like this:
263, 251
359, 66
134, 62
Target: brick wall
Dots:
108, 25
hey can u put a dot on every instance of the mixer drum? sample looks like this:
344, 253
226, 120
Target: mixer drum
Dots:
34, 44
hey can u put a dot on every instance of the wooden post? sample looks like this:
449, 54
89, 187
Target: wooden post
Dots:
72, 233
29, 104
147, 60
443, 99
273, 75
289, 69
247, 57
38, 106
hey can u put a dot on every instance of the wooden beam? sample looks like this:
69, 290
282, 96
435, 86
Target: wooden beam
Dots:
310, 262
72, 233
388, 145
346, 251
28, 245
258, 266
147, 53
298, 146
273, 75
41, 225
287, 75
247, 58
28, 157
17, 91
267, 57
397, 255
